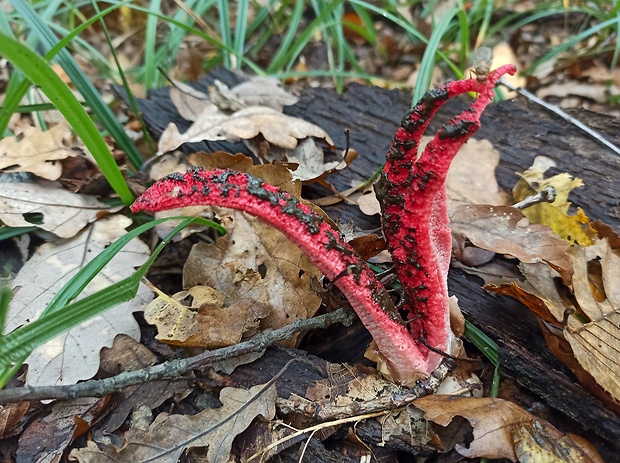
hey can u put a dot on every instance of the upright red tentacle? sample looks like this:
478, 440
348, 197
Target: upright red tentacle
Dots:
415, 219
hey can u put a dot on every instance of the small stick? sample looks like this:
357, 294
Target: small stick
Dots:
173, 369
547, 195
554, 109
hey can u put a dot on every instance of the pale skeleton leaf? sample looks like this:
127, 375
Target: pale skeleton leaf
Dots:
36, 151
74, 355
169, 435
63, 213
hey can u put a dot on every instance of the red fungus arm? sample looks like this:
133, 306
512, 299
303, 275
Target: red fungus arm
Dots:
415, 219
324, 246
412, 193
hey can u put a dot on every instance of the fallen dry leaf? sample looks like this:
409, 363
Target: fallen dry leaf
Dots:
75, 355
207, 322
572, 228
127, 354
10, 418
277, 128
256, 91
307, 155
500, 430
190, 103
47, 437
256, 265
596, 340
591, 311
471, 177
505, 230
48, 206
169, 435
37, 152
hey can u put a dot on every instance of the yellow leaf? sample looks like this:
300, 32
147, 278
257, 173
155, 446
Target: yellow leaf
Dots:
573, 228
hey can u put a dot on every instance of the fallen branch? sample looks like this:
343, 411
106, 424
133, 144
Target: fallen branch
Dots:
173, 369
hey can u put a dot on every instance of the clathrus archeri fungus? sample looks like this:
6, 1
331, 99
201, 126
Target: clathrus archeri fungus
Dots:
413, 197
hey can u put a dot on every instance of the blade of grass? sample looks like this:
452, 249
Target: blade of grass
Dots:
281, 56
423, 81
5, 299
10, 232
224, 20
489, 349
18, 86
206, 37
39, 72
408, 27
150, 65
76, 284
464, 29
574, 40
132, 99
17, 345
81, 82
240, 30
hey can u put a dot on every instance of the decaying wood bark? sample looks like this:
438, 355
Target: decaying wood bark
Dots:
520, 131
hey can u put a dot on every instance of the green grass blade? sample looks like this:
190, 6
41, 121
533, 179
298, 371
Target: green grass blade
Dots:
224, 20
408, 27
83, 84
282, 55
206, 37
5, 298
17, 345
240, 30
132, 99
423, 81
75, 286
10, 232
489, 349
150, 64
464, 29
39, 72
18, 86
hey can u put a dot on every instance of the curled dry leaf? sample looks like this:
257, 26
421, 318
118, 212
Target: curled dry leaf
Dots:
307, 155
257, 266
169, 435
48, 206
505, 230
593, 332
75, 355
463, 187
256, 91
47, 437
573, 228
190, 103
501, 430
36, 151
207, 322
127, 354
277, 128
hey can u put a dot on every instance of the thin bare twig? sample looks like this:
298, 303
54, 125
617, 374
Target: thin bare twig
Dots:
173, 369
545, 196
554, 109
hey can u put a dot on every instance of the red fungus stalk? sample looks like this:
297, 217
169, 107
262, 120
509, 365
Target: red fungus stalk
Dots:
414, 220
412, 194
